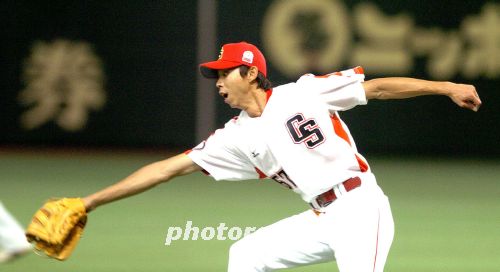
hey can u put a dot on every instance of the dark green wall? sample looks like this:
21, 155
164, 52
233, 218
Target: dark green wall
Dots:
148, 53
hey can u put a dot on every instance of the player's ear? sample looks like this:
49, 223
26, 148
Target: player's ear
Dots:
252, 73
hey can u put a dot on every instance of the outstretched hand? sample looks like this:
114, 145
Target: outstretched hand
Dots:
465, 96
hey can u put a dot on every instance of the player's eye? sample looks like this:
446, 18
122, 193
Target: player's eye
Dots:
223, 73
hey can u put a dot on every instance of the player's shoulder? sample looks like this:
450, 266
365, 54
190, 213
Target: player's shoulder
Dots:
287, 89
237, 121
228, 133
356, 73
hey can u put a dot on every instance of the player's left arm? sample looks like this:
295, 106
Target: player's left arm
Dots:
463, 95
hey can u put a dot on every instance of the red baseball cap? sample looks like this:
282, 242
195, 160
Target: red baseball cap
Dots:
233, 55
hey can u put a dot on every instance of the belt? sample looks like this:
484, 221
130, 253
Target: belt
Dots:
329, 196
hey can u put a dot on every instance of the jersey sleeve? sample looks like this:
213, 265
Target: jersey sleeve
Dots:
339, 91
219, 156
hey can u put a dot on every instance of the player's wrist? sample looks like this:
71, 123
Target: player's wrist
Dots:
89, 203
444, 88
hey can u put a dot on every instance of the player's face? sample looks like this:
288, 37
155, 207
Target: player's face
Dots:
233, 88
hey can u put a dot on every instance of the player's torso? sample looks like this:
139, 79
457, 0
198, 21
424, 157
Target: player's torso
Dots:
294, 143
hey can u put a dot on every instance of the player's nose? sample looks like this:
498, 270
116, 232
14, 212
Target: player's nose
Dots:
218, 83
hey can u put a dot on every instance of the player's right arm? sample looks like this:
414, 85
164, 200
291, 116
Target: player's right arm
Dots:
463, 95
143, 179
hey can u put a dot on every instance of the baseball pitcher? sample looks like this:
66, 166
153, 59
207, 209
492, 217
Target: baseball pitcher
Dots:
294, 135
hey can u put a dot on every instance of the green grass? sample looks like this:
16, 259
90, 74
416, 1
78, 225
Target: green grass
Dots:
447, 213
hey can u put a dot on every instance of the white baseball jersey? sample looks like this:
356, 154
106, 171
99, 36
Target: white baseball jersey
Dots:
299, 140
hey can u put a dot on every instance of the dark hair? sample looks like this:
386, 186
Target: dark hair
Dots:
262, 81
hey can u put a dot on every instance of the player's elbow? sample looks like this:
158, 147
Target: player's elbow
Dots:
373, 89
175, 166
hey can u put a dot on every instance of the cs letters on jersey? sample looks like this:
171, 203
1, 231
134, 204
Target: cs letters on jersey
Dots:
305, 131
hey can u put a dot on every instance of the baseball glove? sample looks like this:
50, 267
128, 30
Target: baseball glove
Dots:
57, 227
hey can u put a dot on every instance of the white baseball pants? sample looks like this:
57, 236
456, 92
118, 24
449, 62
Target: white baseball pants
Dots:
356, 230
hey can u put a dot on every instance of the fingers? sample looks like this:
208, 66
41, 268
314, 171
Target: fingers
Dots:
475, 102
472, 105
470, 98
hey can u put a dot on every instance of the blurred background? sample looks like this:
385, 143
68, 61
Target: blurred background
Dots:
91, 90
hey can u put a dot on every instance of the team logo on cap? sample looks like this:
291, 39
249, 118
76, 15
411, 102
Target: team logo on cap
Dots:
247, 57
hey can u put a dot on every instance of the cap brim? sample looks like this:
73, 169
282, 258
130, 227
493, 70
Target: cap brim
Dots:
209, 69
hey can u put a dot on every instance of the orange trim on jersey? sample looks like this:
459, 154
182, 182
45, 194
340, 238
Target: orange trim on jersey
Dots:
363, 166
340, 131
261, 174
359, 70
268, 94
188, 151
